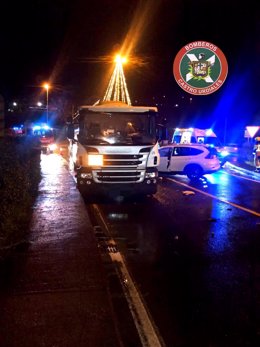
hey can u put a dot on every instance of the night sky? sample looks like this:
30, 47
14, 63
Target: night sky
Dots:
66, 41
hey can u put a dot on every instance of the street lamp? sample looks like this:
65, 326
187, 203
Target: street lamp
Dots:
47, 86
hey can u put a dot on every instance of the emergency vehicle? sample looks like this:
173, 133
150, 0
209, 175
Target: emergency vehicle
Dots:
114, 149
201, 136
16, 131
45, 135
195, 135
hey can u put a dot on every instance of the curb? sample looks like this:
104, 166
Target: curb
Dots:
242, 171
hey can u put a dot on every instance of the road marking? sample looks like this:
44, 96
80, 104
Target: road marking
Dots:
146, 328
216, 198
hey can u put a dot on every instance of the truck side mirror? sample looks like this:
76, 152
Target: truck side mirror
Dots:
70, 131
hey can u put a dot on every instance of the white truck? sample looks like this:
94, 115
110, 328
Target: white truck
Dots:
114, 149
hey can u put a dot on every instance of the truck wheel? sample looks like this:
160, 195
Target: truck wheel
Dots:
193, 172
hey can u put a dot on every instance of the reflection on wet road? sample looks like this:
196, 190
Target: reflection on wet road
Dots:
52, 292
195, 259
242, 193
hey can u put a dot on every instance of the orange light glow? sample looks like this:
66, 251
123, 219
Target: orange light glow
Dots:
46, 86
95, 159
120, 60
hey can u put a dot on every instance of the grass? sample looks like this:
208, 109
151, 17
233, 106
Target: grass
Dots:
19, 179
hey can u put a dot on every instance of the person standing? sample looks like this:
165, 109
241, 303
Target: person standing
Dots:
256, 152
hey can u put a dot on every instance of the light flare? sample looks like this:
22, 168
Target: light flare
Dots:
117, 87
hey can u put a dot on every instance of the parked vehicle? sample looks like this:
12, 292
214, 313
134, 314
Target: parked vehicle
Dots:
195, 135
193, 160
15, 131
205, 137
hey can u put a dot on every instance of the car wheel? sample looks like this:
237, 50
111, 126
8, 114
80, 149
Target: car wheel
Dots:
193, 172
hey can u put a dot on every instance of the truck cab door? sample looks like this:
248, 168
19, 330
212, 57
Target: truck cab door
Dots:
165, 159
176, 162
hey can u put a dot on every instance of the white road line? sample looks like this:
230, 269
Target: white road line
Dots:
148, 334
216, 198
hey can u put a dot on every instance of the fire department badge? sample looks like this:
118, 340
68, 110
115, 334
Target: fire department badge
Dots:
200, 68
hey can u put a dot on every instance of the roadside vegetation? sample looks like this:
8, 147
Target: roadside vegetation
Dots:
19, 179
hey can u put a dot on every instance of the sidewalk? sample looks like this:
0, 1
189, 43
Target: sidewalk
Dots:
53, 293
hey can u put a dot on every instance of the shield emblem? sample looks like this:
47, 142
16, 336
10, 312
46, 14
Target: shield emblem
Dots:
200, 68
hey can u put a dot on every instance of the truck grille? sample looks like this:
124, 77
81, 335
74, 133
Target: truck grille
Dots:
122, 168
109, 176
124, 160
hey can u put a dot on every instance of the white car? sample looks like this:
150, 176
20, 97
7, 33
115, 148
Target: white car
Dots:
193, 160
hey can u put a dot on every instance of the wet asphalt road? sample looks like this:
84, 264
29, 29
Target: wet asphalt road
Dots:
193, 252
195, 258
53, 292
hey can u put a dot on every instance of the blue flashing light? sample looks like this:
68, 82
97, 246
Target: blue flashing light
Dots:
41, 127
224, 153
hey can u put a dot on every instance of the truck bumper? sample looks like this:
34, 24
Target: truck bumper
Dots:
87, 186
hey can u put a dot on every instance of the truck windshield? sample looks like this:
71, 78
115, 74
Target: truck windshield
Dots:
117, 128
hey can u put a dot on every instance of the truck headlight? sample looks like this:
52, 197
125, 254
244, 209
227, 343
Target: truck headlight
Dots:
151, 174
86, 175
95, 159
53, 147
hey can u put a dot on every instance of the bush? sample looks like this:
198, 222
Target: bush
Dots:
19, 180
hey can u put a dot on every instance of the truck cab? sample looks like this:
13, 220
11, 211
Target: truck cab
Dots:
113, 147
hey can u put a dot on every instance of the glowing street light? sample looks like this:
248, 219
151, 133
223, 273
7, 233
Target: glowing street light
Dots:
47, 87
